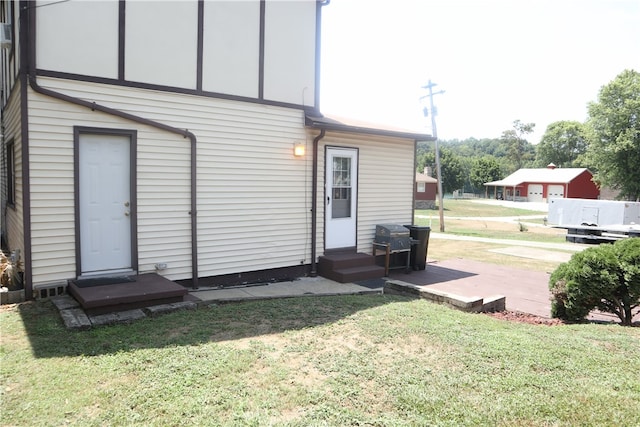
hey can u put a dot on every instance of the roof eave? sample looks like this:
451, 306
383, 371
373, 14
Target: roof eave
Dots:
319, 123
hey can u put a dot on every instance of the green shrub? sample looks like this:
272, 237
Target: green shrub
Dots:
606, 277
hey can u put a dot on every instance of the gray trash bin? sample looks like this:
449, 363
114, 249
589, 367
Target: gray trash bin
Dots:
418, 260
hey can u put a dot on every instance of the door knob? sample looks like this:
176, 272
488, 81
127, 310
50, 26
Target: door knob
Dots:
127, 213
126, 204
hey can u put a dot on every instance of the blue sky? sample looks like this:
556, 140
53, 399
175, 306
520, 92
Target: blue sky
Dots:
497, 60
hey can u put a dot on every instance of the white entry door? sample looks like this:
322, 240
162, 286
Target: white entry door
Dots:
341, 190
105, 210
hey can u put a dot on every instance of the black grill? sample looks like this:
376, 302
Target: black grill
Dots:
395, 235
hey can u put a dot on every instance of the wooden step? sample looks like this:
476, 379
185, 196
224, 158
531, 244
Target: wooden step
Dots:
338, 261
144, 290
349, 267
355, 274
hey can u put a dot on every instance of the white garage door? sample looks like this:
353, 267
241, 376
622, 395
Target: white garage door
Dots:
555, 191
534, 193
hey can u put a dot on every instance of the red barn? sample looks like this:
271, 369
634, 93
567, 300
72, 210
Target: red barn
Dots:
540, 185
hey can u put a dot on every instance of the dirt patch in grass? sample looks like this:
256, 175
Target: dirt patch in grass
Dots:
516, 316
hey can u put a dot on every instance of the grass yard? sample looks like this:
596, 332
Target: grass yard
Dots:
329, 361
442, 249
461, 219
326, 361
496, 229
459, 207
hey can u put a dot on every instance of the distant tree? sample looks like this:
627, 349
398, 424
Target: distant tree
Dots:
466, 163
564, 143
614, 145
450, 166
426, 158
485, 169
519, 149
452, 171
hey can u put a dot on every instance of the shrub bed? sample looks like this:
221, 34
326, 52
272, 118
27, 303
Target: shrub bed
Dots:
606, 277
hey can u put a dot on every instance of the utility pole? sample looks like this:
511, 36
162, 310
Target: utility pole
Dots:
434, 132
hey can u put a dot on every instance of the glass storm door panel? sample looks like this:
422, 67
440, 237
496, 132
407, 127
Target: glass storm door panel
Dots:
341, 196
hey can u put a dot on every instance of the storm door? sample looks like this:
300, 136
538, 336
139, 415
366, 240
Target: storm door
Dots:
341, 190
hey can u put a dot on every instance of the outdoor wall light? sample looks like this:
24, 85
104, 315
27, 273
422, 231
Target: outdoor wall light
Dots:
298, 149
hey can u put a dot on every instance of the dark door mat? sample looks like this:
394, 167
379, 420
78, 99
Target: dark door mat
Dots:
372, 283
102, 281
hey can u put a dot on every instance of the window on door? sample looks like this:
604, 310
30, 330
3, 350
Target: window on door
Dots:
341, 206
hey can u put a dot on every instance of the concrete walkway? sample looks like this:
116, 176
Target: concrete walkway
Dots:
305, 286
74, 317
525, 291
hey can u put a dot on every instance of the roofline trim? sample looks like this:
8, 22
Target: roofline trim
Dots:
315, 123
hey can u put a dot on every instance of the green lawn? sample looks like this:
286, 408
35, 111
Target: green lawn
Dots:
457, 220
330, 361
457, 207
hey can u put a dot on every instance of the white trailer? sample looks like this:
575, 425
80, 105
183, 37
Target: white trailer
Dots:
594, 213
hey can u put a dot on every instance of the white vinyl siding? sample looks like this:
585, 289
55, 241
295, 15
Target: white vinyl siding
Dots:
385, 183
13, 215
253, 194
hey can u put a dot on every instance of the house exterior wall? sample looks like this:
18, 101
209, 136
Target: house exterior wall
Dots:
86, 45
239, 73
171, 50
429, 193
13, 214
582, 187
9, 57
164, 50
385, 183
253, 195
289, 67
425, 199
